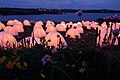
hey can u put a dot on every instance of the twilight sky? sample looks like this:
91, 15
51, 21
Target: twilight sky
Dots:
69, 4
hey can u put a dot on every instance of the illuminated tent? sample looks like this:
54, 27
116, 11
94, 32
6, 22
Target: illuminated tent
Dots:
10, 22
54, 38
18, 28
10, 30
38, 32
72, 33
61, 27
26, 23
7, 40
1, 25
50, 29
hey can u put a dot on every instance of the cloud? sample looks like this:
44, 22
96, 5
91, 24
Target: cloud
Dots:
74, 4
55, 2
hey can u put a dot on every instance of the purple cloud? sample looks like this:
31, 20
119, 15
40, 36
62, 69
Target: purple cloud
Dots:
74, 4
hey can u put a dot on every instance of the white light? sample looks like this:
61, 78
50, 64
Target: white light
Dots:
119, 35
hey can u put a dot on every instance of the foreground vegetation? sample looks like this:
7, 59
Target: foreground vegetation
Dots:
81, 60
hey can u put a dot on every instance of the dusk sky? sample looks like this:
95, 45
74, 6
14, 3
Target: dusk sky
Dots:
64, 4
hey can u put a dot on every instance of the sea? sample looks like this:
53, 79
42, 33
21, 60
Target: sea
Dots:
58, 17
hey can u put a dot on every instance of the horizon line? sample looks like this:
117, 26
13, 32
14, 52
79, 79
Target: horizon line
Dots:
58, 8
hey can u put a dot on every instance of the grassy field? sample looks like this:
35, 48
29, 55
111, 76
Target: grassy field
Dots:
81, 60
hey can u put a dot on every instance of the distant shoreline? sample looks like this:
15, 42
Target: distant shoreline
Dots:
38, 11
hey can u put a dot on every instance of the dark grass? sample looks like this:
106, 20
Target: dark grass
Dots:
66, 64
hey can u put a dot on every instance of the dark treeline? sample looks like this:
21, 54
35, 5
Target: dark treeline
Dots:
26, 11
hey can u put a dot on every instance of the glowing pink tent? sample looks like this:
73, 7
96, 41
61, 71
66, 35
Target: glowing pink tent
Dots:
50, 29
39, 23
38, 32
80, 29
61, 27
53, 39
26, 23
7, 40
10, 30
10, 22
1, 25
18, 28
73, 33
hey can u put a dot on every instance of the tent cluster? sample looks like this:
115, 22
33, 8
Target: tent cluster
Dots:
108, 33
51, 32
